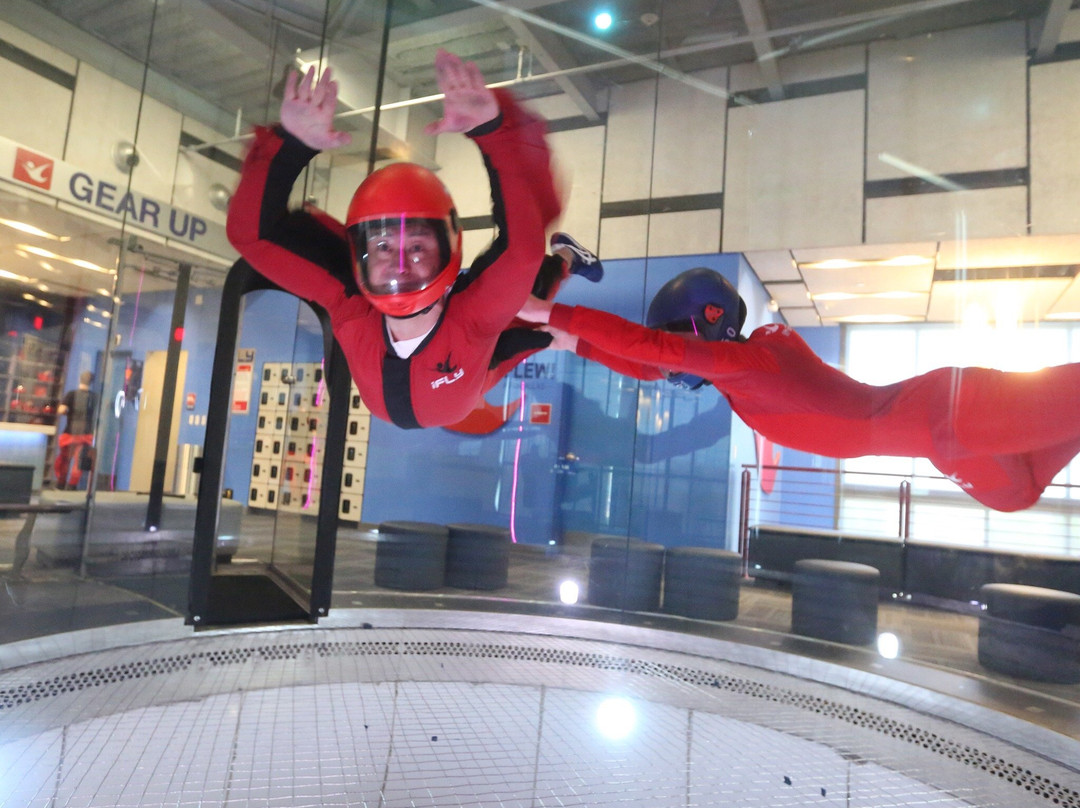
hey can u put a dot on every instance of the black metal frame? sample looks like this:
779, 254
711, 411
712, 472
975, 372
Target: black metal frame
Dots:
270, 595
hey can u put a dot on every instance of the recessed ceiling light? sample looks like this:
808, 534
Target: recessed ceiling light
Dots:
29, 229
602, 21
874, 318
79, 262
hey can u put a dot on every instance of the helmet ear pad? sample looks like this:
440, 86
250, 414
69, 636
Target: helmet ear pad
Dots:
701, 301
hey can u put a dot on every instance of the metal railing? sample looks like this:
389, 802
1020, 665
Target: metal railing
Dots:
921, 508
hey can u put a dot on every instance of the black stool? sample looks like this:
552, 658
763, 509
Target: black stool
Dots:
410, 555
702, 582
835, 600
477, 556
625, 573
1030, 632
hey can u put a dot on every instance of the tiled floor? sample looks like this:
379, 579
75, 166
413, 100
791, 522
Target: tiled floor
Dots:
47, 601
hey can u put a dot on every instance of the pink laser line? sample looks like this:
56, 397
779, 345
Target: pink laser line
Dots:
517, 460
401, 246
311, 469
694, 326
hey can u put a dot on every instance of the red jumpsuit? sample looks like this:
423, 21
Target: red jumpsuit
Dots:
1000, 436
307, 254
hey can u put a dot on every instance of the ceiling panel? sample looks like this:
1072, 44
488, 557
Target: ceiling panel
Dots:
1003, 302
789, 294
870, 309
773, 265
1010, 252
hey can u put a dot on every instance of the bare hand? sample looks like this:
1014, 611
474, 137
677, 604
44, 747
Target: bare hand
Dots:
467, 103
535, 310
561, 340
307, 112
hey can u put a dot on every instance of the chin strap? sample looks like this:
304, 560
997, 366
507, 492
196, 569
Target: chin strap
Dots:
414, 314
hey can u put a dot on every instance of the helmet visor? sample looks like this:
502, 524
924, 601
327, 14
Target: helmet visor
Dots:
395, 255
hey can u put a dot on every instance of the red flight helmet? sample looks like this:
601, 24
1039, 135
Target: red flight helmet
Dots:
405, 239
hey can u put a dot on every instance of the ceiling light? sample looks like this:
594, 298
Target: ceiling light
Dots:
79, 262
31, 230
11, 276
906, 261
602, 21
897, 295
834, 296
875, 318
831, 263
847, 263
1063, 315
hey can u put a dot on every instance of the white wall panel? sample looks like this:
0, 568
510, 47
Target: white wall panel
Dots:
689, 232
578, 159
461, 169
794, 173
195, 174
22, 89
345, 177
688, 157
35, 47
1070, 27
473, 243
813, 66
1055, 171
950, 102
624, 237
629, 142
994, 211
104, 113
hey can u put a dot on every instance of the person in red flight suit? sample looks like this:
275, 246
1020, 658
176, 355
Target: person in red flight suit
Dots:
76, 442
419, 338
1002, 437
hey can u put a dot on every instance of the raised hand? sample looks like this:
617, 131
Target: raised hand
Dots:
467, 103
307, 111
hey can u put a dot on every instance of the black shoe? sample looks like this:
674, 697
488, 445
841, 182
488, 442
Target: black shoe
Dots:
585, 263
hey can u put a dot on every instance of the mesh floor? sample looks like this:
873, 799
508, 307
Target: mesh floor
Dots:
435, 717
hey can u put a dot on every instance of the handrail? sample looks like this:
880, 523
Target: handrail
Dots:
836, 499
833, 471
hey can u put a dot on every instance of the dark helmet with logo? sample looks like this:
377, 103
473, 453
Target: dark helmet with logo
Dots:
698, 301
405, 238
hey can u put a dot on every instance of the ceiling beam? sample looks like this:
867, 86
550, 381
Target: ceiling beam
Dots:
1052, 23
546, 47
754, 17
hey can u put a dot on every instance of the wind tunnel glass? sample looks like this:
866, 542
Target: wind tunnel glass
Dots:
396, 255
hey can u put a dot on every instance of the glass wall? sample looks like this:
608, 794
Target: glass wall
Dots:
836, 165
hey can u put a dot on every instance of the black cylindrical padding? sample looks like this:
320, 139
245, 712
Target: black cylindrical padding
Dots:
1030, 632
477, 556
835, 600
702, 582
625, 573
411, 555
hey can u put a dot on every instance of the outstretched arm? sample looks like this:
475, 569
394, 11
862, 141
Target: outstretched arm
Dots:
304, 254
